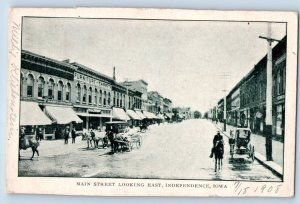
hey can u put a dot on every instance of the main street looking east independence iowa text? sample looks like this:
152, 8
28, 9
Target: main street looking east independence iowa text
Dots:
113, 98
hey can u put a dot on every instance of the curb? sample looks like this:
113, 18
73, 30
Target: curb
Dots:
272, 166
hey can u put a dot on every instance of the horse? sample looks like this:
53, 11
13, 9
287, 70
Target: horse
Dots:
143, 128
25, 143
218, 154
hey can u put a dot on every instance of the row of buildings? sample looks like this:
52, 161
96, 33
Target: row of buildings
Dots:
246, 102
58, 93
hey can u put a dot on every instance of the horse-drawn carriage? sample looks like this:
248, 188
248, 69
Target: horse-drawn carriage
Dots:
123, 137
240, 143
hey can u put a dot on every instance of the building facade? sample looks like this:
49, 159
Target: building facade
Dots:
71, 94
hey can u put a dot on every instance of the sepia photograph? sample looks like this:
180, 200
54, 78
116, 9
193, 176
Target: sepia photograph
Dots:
154, 99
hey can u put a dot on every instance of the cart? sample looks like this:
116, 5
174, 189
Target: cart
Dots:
240, 143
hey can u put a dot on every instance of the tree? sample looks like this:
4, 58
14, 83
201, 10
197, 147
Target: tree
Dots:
197, 114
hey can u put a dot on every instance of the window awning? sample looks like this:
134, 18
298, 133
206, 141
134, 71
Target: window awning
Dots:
119, 114
31, 114
149, 115
140, 114
160, 116
62, 115
133, 115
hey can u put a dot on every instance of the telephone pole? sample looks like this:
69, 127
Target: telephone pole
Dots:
269, 103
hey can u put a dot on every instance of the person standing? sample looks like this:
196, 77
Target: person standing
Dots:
39, 134
66, 135
73, 135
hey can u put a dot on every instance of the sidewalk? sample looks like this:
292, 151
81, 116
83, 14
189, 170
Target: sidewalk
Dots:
260, 150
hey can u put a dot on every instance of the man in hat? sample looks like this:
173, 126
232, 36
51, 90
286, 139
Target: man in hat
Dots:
66, 135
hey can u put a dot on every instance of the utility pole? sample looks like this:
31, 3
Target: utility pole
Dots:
269, 103
225, 76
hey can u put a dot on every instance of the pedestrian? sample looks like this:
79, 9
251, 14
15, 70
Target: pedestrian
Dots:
110, 136
39, 134
217, 137
73, 135
66, 135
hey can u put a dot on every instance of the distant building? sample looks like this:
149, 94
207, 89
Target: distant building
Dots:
155, 102
140, 86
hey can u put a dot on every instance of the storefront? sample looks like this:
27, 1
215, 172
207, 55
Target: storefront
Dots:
32, 117
134, 118
61, 116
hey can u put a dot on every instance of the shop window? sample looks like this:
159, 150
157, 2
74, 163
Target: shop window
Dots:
60, 91
41, 85
30, 84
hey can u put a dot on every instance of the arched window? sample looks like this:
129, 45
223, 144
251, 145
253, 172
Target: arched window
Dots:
68, 92
51, 89
104, 98
108, 100
100, 98
84, 94
90, 95
41, 86
78, 97
30, 84
96, 97
60, 91
121, 101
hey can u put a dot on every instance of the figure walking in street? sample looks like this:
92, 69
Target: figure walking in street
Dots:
110, 136
66, 135
73, 135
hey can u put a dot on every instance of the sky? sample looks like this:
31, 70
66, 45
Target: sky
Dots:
193, 63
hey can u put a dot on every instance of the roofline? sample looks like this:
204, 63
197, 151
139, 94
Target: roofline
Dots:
50, 59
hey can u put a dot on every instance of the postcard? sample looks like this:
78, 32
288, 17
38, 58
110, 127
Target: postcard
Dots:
151, 102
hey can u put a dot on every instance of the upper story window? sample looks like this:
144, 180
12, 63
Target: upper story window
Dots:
90, 94
21, 84
108, 100
51, 88
41, 87
68, 91
84, 94
100, 98
78, 90
60, 91
280, 82
104, 98
30, 84
96, 96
